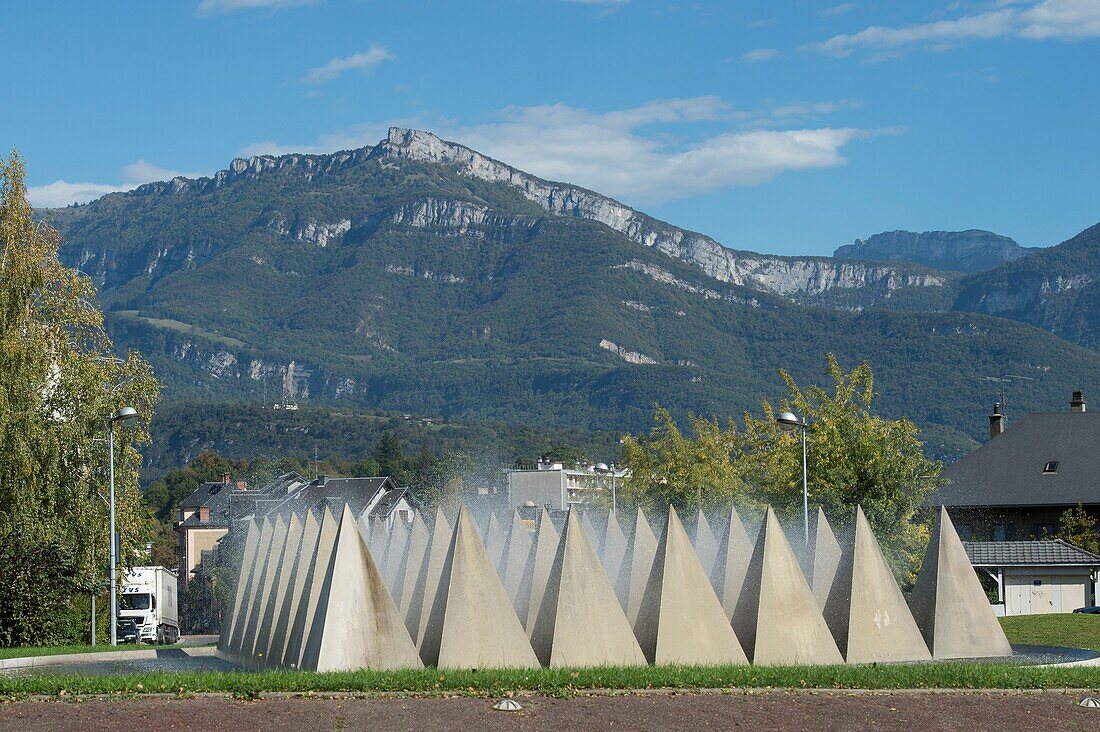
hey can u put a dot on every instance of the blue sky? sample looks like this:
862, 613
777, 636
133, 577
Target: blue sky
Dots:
779, 127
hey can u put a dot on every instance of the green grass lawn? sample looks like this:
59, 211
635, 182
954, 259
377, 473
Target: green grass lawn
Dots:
564, 682
1070, 631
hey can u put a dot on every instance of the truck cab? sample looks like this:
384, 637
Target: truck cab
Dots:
149, 599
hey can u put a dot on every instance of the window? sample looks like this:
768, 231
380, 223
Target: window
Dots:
1040, 531
1000, 532
1050, 467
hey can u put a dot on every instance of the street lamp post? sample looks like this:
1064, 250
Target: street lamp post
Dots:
787, 422
123, 415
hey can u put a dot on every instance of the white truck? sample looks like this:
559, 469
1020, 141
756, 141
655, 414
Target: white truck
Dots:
149, 599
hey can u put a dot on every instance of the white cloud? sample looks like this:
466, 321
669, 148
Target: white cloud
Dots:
219, 7
840, 9
760, 54
1059, 19
639, 153
362, 61
63, 193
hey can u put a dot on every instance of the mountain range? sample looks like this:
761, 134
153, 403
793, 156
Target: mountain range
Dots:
420, 275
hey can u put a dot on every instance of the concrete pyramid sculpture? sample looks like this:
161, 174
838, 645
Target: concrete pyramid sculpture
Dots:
777, 618
248, 558
472, 623
248, 604
865, 608
949, 604
377, 537
680, 620
356, 624
280, 637
494, 539
263, 595
311, 591
411, 560
637, 562
731, 563
613, 547
514, 560
537, 572
706, 545
255, 580
589, 527
826, 559
580, 622
427, 579
278, 591
391, 565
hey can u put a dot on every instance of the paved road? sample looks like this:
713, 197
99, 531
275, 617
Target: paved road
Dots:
912, 712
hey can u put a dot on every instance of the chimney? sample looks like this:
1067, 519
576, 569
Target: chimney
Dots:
241, 485
1077, 403
996, 422
224, 478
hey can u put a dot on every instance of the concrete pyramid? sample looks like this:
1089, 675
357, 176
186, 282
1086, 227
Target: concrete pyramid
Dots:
377, 537
637, 562
826, 559
777, 618
514, 560
311, 591
494, 539
706, 546
537, 572
865, 608
472, 623
680, 620
307, 548
357, 624
589, 527
255, 579
391, 565
731, 563
411, 560
613, 547
248, 558
263, 595
949, 604
279, 585
580, 622
427, 579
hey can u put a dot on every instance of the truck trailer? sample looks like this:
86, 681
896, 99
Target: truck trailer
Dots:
149, 599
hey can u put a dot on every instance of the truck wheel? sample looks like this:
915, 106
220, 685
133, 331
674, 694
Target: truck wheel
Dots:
160, 636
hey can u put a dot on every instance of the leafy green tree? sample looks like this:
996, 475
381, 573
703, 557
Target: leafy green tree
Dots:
1079, 528
59, 382
668, 467
566, 454
390, 457
855, 458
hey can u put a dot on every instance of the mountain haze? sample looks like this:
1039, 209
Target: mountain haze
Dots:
421, 275
960, 251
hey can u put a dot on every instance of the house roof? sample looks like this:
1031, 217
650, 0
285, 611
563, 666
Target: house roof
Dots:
358, 492
1028, 553
1009, 469
389, 501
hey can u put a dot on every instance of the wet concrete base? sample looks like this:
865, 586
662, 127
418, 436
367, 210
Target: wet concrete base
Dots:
820, 710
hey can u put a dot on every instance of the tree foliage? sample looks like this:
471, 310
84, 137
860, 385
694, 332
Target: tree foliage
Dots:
59, 382
1078, 527
854, 458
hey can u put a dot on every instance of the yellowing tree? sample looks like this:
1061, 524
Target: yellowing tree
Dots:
59, 382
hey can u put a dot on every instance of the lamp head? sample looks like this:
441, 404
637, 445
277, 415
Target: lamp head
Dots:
787, 421
125, 415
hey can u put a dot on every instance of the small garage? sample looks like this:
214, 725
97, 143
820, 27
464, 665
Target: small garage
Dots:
1036, 577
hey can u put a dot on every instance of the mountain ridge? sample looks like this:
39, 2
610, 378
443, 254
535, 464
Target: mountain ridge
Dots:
969, 251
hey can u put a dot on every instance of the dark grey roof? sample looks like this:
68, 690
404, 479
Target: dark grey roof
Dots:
206, 494
1008, 470
1028, 553
357, 492
387, 503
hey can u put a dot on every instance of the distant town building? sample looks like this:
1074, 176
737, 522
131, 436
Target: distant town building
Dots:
551, 485
1017, 485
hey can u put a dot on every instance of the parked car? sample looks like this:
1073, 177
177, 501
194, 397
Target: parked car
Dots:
1094, 610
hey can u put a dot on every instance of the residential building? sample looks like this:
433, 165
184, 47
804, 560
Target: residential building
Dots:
1018, 484
551, 485
1037, 576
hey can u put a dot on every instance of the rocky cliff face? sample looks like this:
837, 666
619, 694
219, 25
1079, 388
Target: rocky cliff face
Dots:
797, 278
961, 251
